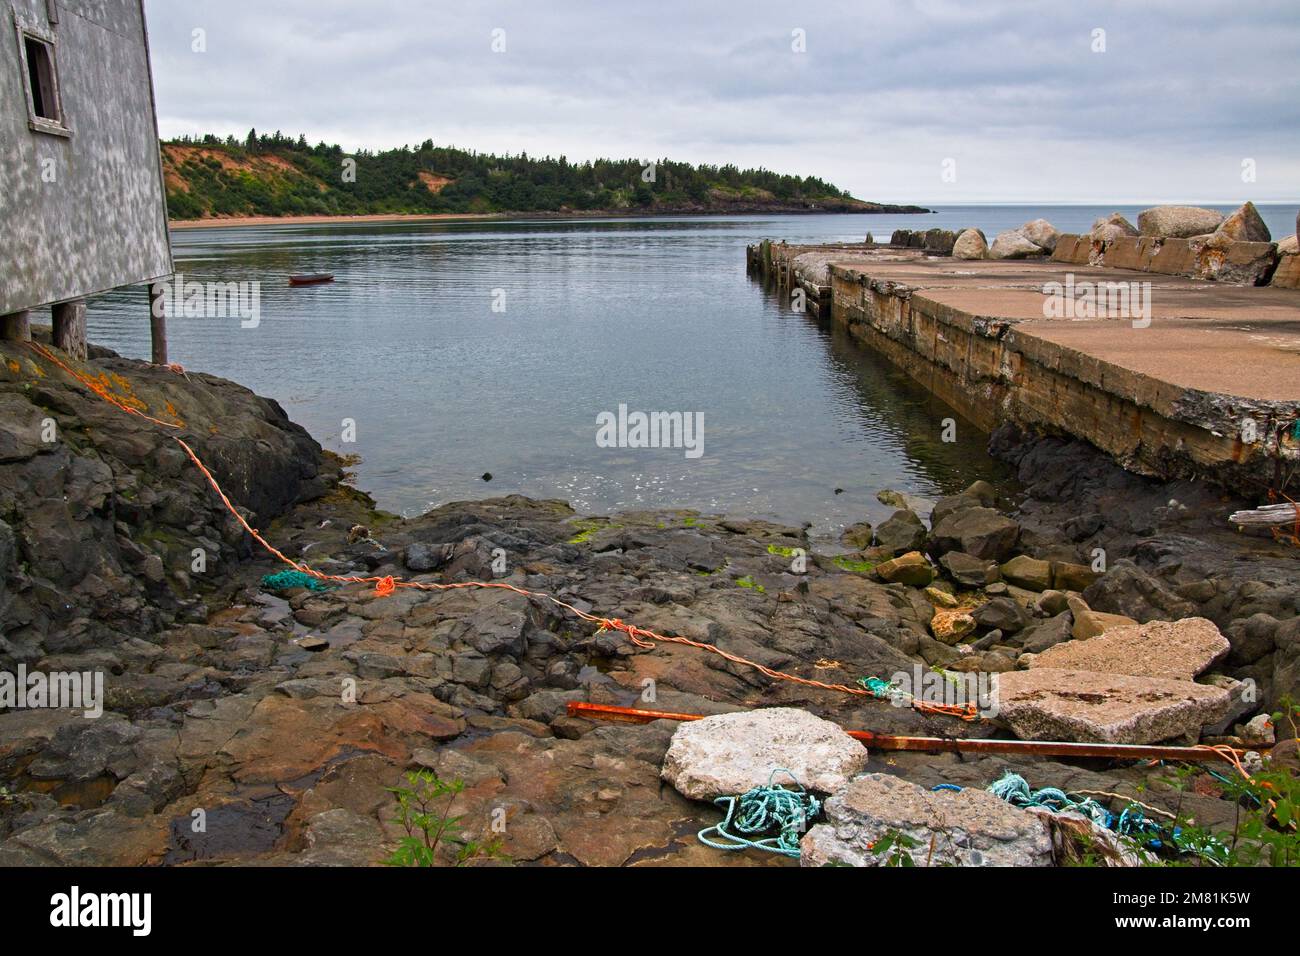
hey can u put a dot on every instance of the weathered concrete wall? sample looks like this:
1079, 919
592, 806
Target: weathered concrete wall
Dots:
1000, 365
1211, 258
102, 220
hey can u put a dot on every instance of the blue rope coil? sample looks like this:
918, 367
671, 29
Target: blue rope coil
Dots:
1131, 823
285, 580
773, 810
1013, 788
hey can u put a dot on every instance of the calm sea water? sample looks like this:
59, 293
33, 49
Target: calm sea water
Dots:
654, 314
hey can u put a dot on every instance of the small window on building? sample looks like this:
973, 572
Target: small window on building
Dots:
41, 80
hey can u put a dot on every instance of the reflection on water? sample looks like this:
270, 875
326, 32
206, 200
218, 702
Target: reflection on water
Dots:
655, 314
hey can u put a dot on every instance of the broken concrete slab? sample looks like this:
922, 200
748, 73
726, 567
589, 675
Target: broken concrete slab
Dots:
935, 828
1046, 703
1174, 650
727, 754
1287, 274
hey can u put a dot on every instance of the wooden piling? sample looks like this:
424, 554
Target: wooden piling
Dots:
16, 327
158, 322
70, 328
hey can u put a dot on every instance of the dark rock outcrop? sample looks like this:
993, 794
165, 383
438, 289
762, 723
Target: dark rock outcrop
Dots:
108, 532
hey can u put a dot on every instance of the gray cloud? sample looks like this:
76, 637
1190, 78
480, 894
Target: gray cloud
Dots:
1009, 89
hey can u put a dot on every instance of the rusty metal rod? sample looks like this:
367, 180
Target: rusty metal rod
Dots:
1040, 748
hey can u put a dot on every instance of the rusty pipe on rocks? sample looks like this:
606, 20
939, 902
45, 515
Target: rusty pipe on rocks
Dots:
1037, 748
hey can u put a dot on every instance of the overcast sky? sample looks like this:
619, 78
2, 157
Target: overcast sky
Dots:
1026, 98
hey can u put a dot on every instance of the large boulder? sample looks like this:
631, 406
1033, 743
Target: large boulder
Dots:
1178, 222
858, 536
912, 569
1049, 633
1251, 638
1041, 233
1112, 227
934, 828
1127, 589
1067, 576
728, 754
1044, 703
1026, 572
1245, 225
1175, 650
969, 570
971, 244
980, 494
903, 531
979, 532
1002, 614
1013, 245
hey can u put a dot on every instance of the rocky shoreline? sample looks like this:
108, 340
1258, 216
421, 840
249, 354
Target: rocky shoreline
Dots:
280, 718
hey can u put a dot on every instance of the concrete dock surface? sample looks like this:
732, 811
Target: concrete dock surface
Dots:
1240, 341
1174, 376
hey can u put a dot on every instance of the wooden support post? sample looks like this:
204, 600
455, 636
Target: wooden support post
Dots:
70, 328
158, 322
16, 327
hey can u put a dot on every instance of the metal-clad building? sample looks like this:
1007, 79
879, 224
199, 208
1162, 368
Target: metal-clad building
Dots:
82, 204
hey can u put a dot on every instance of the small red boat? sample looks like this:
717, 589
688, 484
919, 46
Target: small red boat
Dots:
315, 279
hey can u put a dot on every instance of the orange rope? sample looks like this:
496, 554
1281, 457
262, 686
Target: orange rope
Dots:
99, 388
387, 584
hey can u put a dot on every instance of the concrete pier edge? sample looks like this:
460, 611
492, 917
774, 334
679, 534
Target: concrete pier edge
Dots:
1206, 386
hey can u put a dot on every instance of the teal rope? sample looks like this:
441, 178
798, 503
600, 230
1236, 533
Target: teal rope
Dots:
762, 810
284, 580
1132, 822
883, 689
1015, 790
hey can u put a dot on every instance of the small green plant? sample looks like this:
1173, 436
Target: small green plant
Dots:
782, 551
748, 582
1268, 812
896, 848
1268, 815
426, 818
